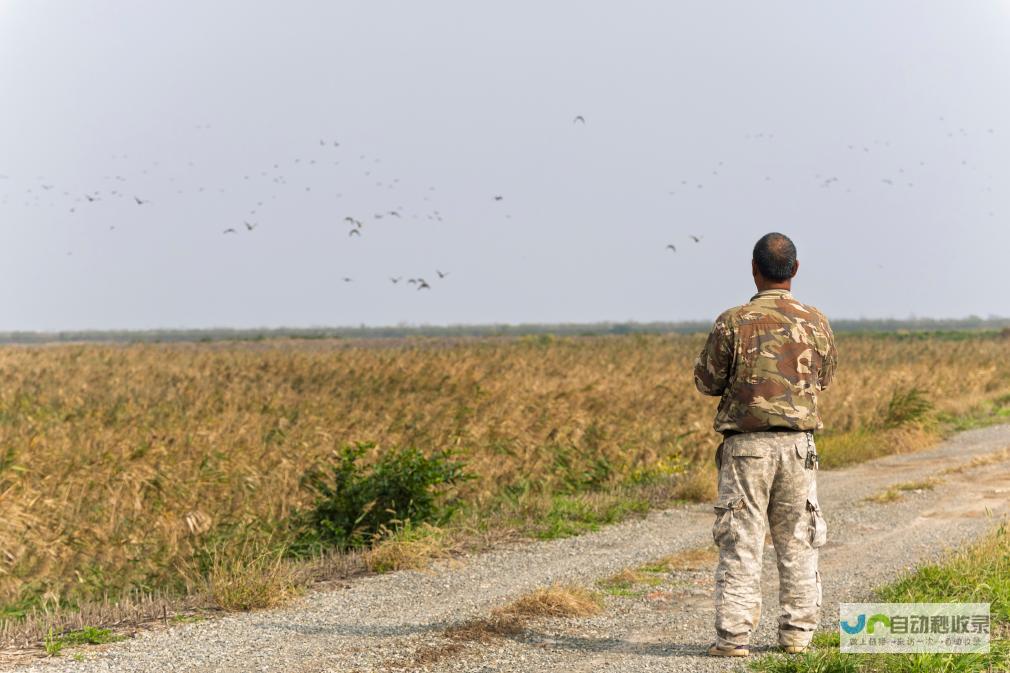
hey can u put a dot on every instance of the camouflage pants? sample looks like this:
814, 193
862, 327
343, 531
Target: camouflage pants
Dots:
763, 476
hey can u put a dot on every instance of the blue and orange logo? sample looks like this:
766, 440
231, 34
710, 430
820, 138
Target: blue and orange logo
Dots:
862, 622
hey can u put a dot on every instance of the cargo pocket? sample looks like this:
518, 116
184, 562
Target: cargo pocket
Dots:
748, 446
725, 510
818, 528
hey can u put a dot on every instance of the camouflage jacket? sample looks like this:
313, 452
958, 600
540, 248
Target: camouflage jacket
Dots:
767, 360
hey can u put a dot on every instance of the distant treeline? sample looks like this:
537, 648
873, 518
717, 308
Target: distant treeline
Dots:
919, 326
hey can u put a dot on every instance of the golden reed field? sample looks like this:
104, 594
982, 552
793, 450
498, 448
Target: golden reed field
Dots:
118, 461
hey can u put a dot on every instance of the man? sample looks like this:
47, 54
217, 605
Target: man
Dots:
767, 360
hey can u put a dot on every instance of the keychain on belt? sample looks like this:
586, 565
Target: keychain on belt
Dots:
812, 460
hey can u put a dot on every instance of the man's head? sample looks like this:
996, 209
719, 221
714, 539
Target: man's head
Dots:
774, 263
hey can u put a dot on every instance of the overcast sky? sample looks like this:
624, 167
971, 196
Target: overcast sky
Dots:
876, 134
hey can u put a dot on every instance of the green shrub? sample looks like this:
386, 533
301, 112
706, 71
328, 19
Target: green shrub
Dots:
353, 502
907, 405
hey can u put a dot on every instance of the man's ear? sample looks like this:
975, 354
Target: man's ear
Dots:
796, 267
754, 268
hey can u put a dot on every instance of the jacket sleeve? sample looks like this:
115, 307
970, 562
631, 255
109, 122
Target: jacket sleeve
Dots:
827, 371
712, 369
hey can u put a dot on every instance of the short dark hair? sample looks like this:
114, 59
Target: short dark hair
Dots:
775, 256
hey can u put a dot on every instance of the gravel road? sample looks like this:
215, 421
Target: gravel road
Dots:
383, 622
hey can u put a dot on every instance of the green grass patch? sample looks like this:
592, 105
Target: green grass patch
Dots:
570, 515
629, 583
622, 591
826, 640
979, 573
653, 567
89, 635
988, 413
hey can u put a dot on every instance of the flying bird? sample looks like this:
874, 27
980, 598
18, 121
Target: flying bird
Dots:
248, 226
139, 201
696, 239
441, 274
396, 279
671, 246
348, 280
498, 197
579, 118
354, 232
423, 285
229, 230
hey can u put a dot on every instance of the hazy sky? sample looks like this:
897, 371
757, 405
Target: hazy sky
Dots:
876, 134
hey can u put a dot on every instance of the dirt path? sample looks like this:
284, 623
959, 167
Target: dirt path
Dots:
394, 621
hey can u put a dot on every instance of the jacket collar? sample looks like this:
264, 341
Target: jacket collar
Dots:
772, 293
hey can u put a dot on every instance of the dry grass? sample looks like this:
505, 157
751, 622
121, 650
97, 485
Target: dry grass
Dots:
866, 443
558, 600
409, 549
628, 582
505, 622
623, 577
120, 464
894, 492
697, 484
127, 615
698, 558
634, 582
428, 655
482, 630
1000, 456
252, 579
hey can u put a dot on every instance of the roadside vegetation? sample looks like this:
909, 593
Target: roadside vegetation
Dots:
241, 472
89, 635
895, 492
979, 573
557, 600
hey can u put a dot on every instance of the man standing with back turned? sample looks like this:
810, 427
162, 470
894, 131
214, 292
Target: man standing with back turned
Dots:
767, 360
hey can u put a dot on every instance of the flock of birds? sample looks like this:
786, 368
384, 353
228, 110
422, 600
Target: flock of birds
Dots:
281, 177
278, 178
696, 239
